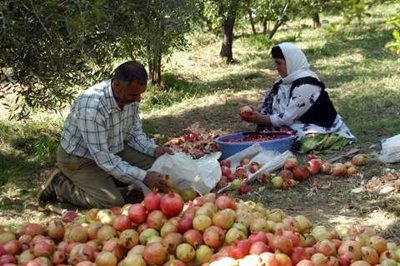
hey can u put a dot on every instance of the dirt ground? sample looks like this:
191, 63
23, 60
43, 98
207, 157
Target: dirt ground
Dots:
370, 198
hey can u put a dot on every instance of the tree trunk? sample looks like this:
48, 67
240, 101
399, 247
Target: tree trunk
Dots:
227, 35
155, 70
279, 22
265, 25
227, 30
316, 20
275, 28
253, 27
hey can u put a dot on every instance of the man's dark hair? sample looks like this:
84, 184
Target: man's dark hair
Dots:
131, 71
276, 52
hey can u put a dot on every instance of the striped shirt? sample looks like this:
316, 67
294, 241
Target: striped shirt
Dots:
96, 128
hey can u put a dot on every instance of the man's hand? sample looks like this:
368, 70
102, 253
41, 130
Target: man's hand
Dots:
162, 150
155, 179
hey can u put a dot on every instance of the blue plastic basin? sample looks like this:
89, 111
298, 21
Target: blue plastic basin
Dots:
281, 144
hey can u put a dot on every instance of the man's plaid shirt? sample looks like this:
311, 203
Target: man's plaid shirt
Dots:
96, 128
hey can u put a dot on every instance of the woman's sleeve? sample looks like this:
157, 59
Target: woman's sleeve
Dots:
303, 97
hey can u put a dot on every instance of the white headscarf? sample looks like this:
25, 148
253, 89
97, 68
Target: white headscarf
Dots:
296, 63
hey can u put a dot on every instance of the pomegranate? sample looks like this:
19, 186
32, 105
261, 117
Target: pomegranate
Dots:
258, 236
106, 232
32, 229
240, 173
146, 234
59, 257
300, 173
244, 189
129, 238
92, 230
171, 241
282, 243
69, 216
185, 252
76, 233
152, 200
55, 229
305, 262
106, 258
133, 259
24, 257
171, 204
233, 235
225, 163
370, 255
156, 219
339, 170
258, 247
137, 213
314, 166
299, 254
378, 243
326, 247
81, 252
290, 163
169, 227
224, 202
326, 168
193, 237
43, 248
114, 246
122, 222
7, 259
245, 111
155, 254
258, 225
319, 259
254, 167
224, 218
201, 222
283, 259
268, 258
277, 182
185, 223
263, 178
203, 254
240, 249
359, 159
214, 237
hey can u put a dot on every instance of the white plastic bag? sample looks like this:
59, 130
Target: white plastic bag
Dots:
200, 174
390, 152
269, 161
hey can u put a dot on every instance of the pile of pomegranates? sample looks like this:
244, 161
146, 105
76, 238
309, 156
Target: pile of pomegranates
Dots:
195, 142
293, 171
210, 230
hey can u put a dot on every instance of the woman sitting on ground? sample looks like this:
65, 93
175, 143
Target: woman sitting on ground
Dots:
298, 101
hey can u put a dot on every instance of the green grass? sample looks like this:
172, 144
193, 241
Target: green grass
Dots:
27, 147
361, 75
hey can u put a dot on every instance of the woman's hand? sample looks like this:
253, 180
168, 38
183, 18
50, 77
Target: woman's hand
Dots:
162, 150
257, 118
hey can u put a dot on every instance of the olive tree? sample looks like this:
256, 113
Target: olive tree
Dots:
49, 48
221, 15
395, 21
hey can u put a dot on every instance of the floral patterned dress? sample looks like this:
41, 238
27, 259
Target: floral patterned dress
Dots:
286, 111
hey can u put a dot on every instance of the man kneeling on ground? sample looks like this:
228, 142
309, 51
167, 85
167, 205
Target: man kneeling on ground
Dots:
103, 151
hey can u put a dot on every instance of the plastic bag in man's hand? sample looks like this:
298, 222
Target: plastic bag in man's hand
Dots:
200, 174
